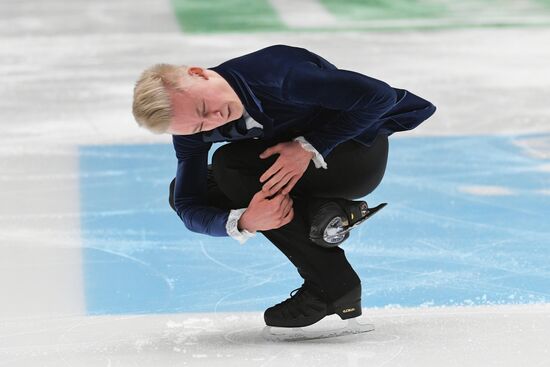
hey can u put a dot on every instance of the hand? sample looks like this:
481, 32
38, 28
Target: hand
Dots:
263, 214
288, 168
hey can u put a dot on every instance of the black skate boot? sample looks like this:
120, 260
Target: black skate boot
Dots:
306, 307
332, 220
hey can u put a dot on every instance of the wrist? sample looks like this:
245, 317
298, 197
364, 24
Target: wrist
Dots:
316, 157
243, 223
306, 152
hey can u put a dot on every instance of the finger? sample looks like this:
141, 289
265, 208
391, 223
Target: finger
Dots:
282, 182
268, 185
286, 208
285, 200
269, 151
261, 194
288, 188
279, 198
275, 200
277, 181
275, 167
286, 205
287, 218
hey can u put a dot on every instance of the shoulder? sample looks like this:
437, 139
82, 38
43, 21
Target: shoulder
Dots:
275, 57
278, 50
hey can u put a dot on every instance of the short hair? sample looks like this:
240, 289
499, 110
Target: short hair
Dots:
151, 106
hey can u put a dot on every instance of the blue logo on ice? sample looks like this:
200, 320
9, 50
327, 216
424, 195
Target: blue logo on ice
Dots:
465, 224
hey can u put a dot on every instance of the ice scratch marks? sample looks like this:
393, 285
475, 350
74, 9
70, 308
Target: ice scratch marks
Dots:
486, 190
394, 356
517, 169
168, 281
241, 290
223, 265
535, 146
410, 214
258, 279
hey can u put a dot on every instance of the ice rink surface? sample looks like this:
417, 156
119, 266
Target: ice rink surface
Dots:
96, 270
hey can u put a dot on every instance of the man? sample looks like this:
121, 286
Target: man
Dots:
300, 129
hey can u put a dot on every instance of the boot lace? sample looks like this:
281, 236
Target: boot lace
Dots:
297, 304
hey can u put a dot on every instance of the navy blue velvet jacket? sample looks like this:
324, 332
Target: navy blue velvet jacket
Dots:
290, 90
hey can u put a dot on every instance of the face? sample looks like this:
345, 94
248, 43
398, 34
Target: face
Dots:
206, 104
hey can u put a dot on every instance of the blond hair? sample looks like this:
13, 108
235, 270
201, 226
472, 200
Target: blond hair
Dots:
151, 106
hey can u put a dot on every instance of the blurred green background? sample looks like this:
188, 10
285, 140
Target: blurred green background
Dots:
198, 16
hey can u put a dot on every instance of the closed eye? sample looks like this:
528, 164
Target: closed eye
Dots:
202, 113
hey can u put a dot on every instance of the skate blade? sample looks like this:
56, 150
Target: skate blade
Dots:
274, 333
372, 211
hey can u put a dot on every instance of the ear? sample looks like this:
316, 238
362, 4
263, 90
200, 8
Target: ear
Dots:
197, 71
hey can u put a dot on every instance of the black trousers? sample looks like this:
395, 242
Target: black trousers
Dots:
354, 171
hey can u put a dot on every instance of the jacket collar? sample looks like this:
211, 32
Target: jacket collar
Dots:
249, 100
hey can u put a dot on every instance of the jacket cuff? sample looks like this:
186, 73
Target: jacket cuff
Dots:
318, 159
232, 226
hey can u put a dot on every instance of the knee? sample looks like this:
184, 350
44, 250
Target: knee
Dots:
219, 155
369, 183
219, 163
372, 182
226, 177
233, 175
385, 145
234, 152
231, 159
374, 170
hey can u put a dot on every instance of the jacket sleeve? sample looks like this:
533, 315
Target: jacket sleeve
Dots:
190, 192
360, 99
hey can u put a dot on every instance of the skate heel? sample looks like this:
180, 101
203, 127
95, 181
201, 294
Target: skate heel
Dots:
349, 310
348, 306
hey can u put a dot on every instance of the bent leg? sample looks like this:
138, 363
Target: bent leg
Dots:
237, 168
325, 269
353, 171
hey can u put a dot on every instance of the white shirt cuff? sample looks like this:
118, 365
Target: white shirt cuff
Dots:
232, 226
318, 159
